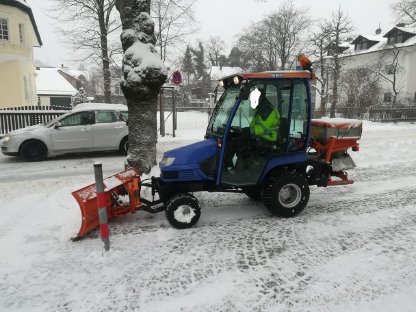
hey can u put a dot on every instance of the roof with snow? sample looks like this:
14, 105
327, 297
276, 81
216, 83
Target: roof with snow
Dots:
406, 29
218, 72
368, 37
22, 5
50, 82
76, 73
382, 42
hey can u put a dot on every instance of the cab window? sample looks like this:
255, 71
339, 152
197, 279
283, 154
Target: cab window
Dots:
78, 119
299, 117
225, 104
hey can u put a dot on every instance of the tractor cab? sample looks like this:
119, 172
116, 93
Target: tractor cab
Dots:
261, 121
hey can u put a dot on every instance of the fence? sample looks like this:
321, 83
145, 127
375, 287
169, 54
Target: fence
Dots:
20, 117
382, 114
177, 112
390, 114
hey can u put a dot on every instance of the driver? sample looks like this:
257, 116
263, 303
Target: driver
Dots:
266, 120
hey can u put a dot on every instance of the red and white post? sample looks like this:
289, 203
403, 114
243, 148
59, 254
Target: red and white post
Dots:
102, 210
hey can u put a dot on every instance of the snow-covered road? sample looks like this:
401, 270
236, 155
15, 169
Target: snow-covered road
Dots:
352, 249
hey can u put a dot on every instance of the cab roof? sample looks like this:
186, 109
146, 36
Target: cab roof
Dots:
273, 74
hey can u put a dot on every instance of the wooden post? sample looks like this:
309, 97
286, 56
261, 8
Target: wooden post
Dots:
162, 114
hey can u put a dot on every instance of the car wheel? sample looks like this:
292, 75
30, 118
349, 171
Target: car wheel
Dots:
289, 195
33, 151
124, 146
183, 211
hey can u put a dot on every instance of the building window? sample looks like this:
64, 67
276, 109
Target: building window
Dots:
399, 39
387, 97
396, 38
4, 29
363, 45
22, 33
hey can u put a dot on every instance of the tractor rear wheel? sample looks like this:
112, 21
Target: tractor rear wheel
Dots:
289, 195
183, 211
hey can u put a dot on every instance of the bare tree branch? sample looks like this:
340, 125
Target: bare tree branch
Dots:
95, 21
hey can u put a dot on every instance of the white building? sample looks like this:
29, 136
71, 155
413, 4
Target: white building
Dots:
373, 50
52, 88
18, 35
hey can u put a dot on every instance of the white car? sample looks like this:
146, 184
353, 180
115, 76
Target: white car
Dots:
88, 127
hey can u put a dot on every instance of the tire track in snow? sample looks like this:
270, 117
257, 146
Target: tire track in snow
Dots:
263, 244
269, 262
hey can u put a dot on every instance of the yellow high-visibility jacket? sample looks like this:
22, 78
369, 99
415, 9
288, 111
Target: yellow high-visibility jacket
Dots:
266, 121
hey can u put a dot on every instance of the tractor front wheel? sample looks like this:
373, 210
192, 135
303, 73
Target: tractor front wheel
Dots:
183, 211
288, 196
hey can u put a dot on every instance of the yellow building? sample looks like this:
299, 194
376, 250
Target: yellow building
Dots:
18, 36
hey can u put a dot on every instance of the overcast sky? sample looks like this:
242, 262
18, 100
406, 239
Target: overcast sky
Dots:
226, 18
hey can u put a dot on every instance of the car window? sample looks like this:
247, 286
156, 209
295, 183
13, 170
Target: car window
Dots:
105, 117
78, 119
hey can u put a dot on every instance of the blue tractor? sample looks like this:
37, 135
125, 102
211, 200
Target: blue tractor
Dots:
232, 158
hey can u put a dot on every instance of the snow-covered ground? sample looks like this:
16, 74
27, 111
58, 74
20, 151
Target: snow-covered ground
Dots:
352, 249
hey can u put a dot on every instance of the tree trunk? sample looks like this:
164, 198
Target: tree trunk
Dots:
104, 55
143, 77
334, 103
107, 73
142, 133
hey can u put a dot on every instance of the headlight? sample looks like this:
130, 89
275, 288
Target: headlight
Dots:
6, 138
166, 161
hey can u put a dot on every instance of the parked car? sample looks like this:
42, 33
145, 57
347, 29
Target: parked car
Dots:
87, 127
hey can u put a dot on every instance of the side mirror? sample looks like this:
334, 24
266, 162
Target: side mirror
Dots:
57, 125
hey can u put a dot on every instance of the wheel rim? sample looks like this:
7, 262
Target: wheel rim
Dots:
126, 146
290, 195
184, 214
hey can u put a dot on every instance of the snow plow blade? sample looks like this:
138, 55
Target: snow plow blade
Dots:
122, 195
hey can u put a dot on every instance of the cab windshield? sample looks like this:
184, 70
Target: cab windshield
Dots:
223, 109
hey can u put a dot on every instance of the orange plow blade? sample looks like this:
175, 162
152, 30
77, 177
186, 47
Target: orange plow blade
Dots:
122, 195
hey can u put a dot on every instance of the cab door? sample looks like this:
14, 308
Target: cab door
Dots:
246, 153
299, 117
248, 158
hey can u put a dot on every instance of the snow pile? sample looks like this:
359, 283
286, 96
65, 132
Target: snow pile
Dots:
139, 59
352, 249
338, 122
